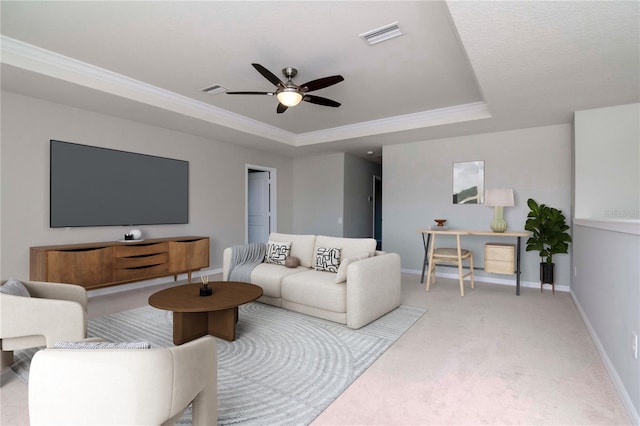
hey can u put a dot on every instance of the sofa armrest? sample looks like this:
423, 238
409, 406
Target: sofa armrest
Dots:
373, 288
56, 320
196, 379
47, 290
124, 386
226, 263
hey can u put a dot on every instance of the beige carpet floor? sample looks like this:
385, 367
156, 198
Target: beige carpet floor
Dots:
487, 358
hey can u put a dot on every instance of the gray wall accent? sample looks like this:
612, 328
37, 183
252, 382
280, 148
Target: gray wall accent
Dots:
216, 179
358, 188
318, 200
606, 287
418, 188
607, 171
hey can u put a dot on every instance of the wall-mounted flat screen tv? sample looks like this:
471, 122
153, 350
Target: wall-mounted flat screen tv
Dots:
93, 186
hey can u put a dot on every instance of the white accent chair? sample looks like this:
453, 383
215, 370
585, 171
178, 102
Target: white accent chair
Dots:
124, 386
53, 313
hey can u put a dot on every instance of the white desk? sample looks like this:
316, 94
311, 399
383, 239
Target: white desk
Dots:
513, 234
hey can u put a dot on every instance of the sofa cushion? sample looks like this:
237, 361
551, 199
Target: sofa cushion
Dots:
302, 246
349, 246
277, 252
317, 289
327, 259
14, 287
341, 276
269, 277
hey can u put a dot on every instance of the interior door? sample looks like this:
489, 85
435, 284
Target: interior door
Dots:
258, 206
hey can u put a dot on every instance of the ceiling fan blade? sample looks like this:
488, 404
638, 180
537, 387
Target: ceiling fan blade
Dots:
250, 93
321, 101
281, 108
268, 75
321, 83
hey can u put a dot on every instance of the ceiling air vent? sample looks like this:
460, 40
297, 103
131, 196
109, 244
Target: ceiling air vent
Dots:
381, 34
214, 90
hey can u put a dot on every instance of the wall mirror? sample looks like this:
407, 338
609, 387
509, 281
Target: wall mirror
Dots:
468, 182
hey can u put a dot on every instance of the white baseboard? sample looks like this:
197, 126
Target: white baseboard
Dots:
147, 283
492, 280
617, 383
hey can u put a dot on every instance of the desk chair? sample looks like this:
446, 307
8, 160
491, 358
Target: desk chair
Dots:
449, 256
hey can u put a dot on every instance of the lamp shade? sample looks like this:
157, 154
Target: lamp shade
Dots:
289, 97
499, 197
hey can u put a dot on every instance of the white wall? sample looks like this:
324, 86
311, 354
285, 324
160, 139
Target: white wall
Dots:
418, 187
607, 162
318, 201
216, 179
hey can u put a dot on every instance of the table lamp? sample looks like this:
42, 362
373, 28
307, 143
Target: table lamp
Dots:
499, 198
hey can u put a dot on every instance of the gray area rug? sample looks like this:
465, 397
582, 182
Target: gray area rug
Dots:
284, 368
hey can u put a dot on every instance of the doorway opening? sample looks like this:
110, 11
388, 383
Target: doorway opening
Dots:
260, 203
377, 211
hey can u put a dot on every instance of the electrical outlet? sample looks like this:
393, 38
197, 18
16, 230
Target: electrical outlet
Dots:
634, 344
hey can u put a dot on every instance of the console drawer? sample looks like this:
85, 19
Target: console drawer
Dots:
141, 272
140, 261
141, 249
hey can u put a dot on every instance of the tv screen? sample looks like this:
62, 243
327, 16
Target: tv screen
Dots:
93, 186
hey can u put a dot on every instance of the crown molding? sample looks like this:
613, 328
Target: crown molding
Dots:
45, 62
32, 58
436, 117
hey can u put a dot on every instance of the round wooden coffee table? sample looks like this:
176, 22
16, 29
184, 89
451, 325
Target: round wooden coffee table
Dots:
195, 316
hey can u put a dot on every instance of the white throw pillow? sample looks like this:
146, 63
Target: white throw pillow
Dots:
341, 276
14, 288
277, 252
327, 259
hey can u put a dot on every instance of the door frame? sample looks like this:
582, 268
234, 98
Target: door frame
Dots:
273, 217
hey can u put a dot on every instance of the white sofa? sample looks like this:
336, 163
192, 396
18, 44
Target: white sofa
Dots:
372, 287
124, 386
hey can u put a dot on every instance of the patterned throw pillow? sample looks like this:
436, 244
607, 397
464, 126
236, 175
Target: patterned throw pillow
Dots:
14, 288
327, 259
277, 252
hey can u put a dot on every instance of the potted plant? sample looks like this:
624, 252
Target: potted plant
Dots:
549, 236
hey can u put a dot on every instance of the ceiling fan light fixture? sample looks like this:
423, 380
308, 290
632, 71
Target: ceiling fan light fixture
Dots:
289, 97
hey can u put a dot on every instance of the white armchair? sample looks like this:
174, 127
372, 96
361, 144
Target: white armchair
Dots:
54, 312
124, 386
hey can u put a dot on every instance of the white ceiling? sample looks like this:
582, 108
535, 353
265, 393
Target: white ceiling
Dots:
460, 67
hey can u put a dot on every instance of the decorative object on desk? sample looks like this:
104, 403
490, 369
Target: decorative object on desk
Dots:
137, 234
549, 236
128, 237
205, 290
440, 222
468, 182
499, 198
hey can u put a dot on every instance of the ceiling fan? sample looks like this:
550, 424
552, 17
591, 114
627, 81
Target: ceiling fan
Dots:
290, 94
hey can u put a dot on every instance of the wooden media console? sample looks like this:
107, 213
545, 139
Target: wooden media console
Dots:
97, 265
